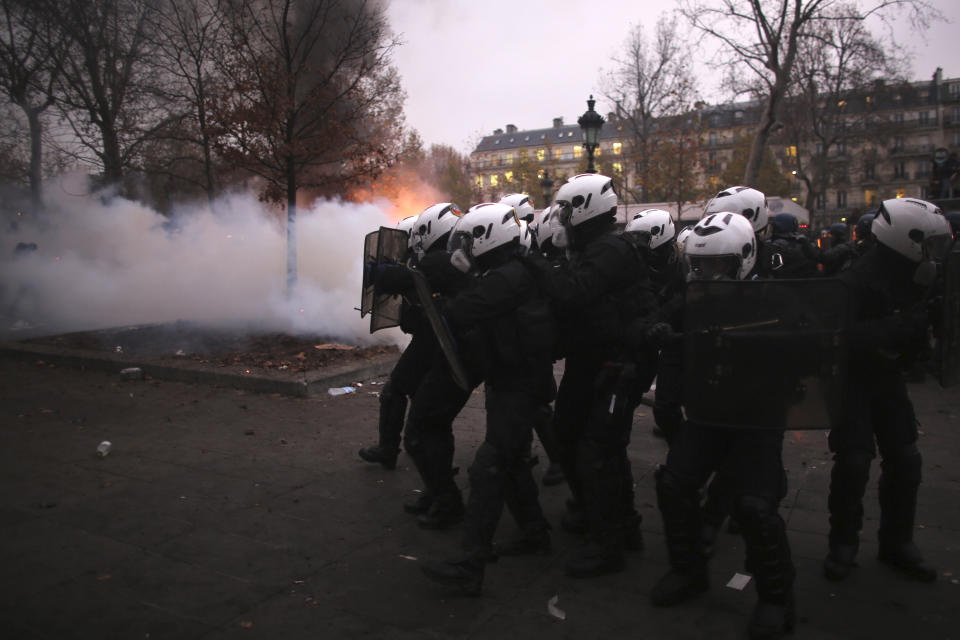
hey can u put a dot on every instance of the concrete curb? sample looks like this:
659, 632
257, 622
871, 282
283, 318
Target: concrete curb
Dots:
306, 384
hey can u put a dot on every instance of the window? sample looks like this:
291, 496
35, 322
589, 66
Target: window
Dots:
821, 203
617, 148
557, 153
870, 197
955, 113
479, 182
841, 148
596, 154
509, 158
508, 176
900, 169
955, 139
791, 151
523, 154
577, 152
494, 180
841, 199
713, 138
819, 149
924, 192
617, 168
955, 90
923, 170
541, 154
924, 118
898, 143
870, 171
898, 118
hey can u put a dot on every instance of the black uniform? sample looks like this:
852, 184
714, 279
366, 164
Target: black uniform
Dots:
889, 334
797, 257
435, 398
601, 289
505, 325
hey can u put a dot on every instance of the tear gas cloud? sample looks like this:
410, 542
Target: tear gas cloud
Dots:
106, 261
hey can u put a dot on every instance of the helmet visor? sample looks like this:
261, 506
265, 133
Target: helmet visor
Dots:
713, 267
460, 247
936, 247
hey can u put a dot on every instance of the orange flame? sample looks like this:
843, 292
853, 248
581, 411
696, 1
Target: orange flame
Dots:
407, 194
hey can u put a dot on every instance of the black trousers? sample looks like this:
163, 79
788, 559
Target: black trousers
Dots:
501, 471
879, 415
405, 379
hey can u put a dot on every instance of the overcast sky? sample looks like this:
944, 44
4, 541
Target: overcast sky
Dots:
472, 66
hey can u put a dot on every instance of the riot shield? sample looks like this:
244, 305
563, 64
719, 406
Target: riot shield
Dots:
383, 246
765, 354
948, 351
440, 329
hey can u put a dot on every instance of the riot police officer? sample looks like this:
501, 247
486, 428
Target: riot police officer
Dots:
791, 254
597, 292
506, 325
889, 289
724, 246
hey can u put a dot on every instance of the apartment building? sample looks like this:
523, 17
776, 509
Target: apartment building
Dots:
891, 133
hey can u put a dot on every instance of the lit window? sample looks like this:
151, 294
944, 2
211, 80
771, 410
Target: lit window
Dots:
480, 181
557, 153
617, 148
577, 151
541, 154
494, 180
570, 134
597, 152
617, 168
868, 99
869, 196
792, 151
509, 158
508, 175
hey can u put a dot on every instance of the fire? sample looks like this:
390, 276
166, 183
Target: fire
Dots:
407, 194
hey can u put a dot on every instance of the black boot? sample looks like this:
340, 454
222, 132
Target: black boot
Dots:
907, 559
380, 455
465, 573
419, 505
445, 511
526, 541
840, 561
682, 526
772, 619
574, 520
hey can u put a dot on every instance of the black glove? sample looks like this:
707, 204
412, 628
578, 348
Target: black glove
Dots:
661, 334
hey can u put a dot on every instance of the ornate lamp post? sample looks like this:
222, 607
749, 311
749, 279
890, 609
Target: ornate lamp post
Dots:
547, 185
590, 124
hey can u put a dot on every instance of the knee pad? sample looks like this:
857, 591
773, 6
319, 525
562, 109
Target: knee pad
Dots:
671, 488
904, 461
754, 511
487, 462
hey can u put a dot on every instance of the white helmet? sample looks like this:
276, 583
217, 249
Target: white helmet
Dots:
656, 223
750, 203
526, 236
485, 227
406, 225
722, 245
915, 229
683, 235
521, 202
435, 221
585, 196
543, 227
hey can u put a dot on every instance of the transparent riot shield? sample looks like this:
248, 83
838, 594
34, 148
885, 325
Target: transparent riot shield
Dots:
440, 330
767, 354
383, 246
948, 348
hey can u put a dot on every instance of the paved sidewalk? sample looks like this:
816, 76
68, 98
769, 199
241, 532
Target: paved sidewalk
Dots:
223, 513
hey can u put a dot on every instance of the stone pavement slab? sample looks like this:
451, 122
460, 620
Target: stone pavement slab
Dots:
223, 513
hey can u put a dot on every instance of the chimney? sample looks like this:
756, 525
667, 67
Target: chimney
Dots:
511, 128
497, 132
938, 76
611, 116
557, 123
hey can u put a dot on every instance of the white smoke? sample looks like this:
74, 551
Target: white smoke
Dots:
106, 261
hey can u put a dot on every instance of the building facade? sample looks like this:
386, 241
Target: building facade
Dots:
891, 137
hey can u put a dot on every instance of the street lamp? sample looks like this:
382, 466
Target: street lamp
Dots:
547, 185
590, 124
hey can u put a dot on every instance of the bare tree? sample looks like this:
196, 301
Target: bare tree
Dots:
310, 98
650, 81
826, 114
30, 57
766, 36
189, 36
107, 88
